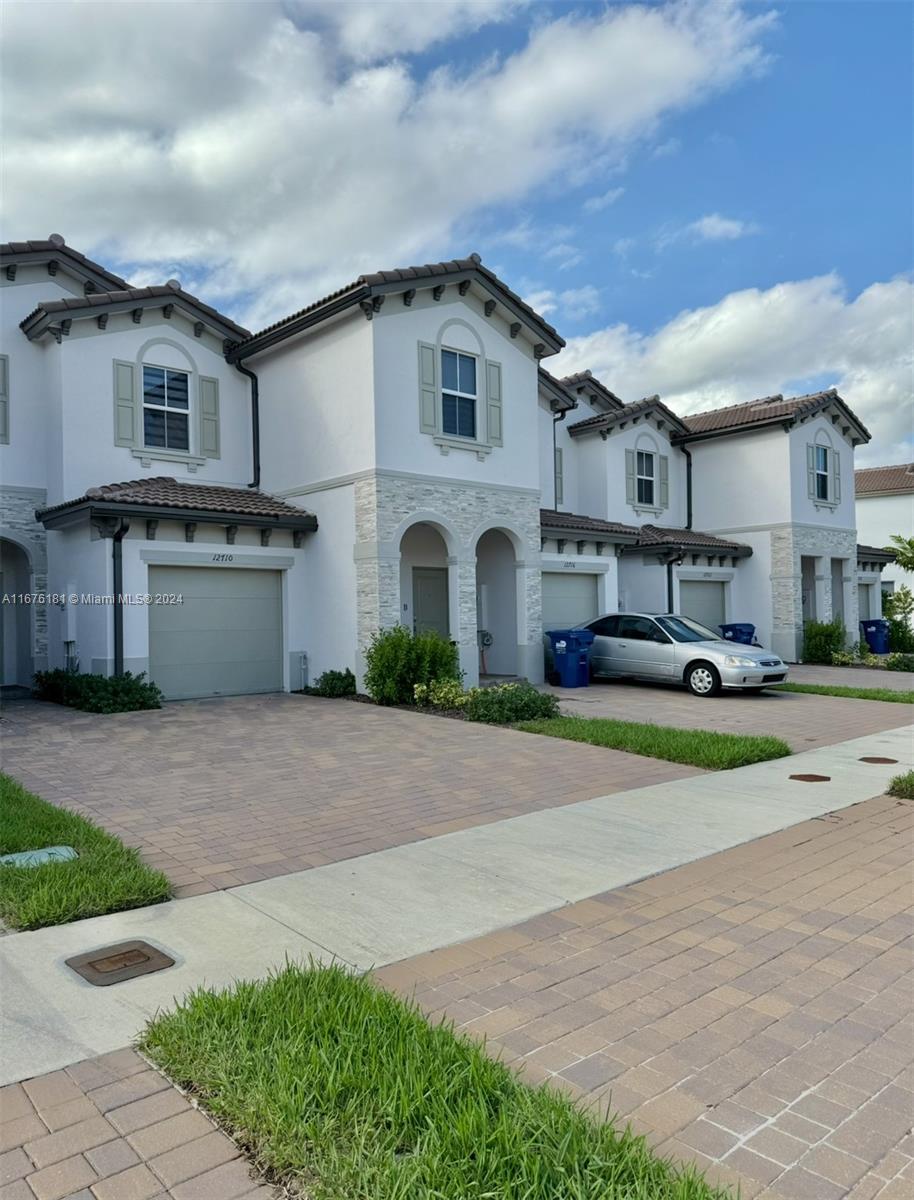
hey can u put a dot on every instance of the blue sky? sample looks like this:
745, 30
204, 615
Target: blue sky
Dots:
710, 199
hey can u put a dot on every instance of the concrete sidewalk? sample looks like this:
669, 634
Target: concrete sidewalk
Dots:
390, 905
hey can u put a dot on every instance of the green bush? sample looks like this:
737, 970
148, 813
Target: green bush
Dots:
899, 662
846, 658
902, 786
901, 638
397, 660
509, 702
445, 694
97, 693
822, 639
334, 684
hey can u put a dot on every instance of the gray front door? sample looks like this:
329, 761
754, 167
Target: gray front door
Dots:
430, 600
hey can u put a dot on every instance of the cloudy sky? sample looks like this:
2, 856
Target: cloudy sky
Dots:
711, 200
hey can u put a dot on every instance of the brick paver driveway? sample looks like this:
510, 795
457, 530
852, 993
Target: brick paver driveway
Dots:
803, 721
222, 792
751, 1011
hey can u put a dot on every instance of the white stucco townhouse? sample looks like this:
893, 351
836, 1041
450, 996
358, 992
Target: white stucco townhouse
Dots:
885, 506
393, 453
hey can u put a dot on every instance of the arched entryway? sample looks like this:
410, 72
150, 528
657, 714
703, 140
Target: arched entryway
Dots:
496, 604
16, 664
425, 586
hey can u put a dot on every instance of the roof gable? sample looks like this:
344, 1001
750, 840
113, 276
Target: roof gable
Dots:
586, 384
650, 406
58, 256
772, 411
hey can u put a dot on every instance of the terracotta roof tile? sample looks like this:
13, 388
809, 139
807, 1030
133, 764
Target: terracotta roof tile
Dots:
165, 492
768, 409
609, 420
100, 300
875, 552
551, 518
658, 535
55, 247
587, 379
870, 480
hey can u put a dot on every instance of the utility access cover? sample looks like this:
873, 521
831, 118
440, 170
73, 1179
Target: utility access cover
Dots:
37, 858
114, 964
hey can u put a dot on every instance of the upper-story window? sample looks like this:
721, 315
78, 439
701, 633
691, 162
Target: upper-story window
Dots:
823, 470
644, 477
458, 394
166, 408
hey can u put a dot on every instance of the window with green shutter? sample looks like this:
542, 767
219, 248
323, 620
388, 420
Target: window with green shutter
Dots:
4, 398
559, 478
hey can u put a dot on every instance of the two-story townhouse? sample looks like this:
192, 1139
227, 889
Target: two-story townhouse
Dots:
104, 382
884, 506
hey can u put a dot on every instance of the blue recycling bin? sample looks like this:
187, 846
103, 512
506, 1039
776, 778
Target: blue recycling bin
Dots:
876, 635
738, 631
571, 656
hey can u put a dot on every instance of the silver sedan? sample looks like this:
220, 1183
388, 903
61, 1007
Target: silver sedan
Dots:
679, 650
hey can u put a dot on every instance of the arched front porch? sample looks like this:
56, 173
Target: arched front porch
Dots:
498, 604
16, 616
426, 580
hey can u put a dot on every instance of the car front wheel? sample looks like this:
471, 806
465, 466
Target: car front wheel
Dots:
702, 680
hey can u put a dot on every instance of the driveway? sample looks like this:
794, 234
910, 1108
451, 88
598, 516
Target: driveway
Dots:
223, 792
803, 721
750, 1011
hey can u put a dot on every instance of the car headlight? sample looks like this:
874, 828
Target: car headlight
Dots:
738, 660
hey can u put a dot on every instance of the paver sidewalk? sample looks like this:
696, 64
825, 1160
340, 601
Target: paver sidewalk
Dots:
751, 1011
111, 1128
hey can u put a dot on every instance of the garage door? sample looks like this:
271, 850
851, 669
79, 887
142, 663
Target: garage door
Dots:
225, 639
568, 600
703, 601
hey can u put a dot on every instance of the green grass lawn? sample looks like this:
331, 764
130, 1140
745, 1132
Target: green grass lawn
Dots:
340, 1087
697, 747
902, 786
106, 877
852, 693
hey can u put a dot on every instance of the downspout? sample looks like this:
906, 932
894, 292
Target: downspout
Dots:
672, 561
688, 455
255, 420
117, 562
555, 483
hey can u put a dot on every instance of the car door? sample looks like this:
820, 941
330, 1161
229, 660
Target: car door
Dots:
641, 648
603, 629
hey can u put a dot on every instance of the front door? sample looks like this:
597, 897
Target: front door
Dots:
430, 600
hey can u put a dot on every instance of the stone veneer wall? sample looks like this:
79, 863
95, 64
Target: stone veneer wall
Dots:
789, 544
18, 525
384, 503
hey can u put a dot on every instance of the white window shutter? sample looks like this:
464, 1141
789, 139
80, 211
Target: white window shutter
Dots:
493, 404
209, 417
811, 470
4, 399
836, 477
428, 388
630, 476
559, 478
126, 421
664, 481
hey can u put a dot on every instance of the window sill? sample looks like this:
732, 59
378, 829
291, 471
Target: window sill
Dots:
641, 509
831, 504
150, 454
446, 444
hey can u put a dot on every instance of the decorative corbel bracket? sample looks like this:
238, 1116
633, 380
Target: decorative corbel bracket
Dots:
231, 532
190, 530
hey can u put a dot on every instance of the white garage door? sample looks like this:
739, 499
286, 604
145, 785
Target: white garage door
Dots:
703, 601
568, 600
225, 639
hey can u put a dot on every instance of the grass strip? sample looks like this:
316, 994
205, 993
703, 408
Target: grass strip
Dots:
339, 1087
902, 786
851, 693
106, 877
697, 747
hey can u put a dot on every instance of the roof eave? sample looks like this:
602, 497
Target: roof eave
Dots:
571, 534
105, 281
685, 547
41, 321
90, 510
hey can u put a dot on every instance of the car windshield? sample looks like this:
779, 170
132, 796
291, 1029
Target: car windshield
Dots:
684, 629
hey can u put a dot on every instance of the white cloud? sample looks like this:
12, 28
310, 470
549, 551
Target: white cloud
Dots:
580, 302
754, 343
275, 165
597, 203
564, 255
668, 148
715, 228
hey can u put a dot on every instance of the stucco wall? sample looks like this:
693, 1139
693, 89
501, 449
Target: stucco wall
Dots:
741, 481
878, 517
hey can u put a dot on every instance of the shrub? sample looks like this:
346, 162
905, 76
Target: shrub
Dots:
898, 662
822, 639
397, 660
447, 694
509, 702
333, 684
846, 658
97, 693
902, 786
901, 638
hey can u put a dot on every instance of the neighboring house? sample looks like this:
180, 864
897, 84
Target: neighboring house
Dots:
394, 453
885, 506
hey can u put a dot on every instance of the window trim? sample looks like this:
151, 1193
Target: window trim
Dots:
822, 473
460, 395
165, 408
643, 478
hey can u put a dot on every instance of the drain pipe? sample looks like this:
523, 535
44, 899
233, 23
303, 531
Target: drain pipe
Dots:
555, 483
255, 420
670, 563
688, 455
117, 562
